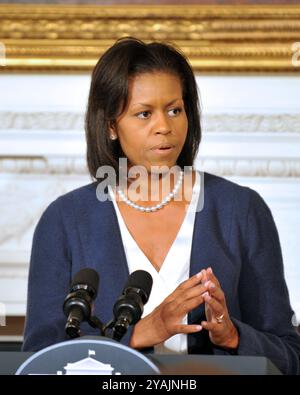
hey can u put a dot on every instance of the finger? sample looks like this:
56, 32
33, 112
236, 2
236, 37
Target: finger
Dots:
192, 293
188, 328
215, 291
216, 307
185, 307
204, 276
212, 326
211, 276
191, 282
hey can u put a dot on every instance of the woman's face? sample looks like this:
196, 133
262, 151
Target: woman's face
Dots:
154, 116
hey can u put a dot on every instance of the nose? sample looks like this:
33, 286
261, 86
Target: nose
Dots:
162, 125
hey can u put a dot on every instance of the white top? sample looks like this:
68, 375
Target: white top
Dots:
167, 279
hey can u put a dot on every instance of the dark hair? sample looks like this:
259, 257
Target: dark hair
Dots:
108, 97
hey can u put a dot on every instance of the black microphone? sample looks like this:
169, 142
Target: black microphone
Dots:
130, 306
78, 305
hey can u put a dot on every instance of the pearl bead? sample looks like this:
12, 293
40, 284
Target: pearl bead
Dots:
165, 201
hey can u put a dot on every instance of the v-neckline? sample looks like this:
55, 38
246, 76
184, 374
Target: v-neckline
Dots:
182, 226
142, 252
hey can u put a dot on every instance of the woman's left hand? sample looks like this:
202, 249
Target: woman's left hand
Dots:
222, 331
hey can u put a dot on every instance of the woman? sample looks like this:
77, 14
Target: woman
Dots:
210, 245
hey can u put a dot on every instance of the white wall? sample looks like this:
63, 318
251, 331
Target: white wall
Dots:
251, 135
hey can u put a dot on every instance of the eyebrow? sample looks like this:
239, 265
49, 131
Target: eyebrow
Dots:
149, 105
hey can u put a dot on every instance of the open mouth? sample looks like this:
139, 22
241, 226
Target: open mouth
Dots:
163, 150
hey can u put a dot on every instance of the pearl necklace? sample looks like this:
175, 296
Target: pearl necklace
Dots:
165, 201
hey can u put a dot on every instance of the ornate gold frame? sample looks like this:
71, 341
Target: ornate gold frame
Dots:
215, 38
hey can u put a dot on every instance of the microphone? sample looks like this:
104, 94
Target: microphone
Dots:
78, 304
130, 306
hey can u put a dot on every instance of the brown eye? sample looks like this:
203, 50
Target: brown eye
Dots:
142, 113
176, 109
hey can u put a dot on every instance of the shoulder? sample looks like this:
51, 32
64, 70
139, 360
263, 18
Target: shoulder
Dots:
70, 204
79, 194
242, 212
222, 192
217, 184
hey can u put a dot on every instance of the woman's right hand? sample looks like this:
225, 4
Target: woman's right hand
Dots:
166, 319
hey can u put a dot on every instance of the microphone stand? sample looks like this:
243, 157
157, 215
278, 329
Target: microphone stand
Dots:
113, 329
94, 322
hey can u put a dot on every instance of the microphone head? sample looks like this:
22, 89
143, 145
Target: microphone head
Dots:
86, 279
142, 281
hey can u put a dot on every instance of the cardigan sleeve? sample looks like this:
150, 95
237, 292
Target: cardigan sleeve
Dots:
265, 327
49, 279
50, 276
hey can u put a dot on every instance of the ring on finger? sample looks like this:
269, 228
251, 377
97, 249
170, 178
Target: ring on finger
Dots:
220, 318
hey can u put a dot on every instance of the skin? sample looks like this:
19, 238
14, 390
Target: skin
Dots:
141, 127
138, 129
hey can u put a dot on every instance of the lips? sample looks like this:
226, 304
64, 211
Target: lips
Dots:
163, 146
163, 149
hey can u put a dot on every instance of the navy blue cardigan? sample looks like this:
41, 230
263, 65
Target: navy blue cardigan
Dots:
234, 233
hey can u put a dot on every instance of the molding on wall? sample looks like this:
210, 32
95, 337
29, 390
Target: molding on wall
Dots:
221, 122
215, 38
219, 166
37, 120
251, 123
251, 168
43, 165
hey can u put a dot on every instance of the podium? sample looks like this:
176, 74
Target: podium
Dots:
171, 364
195, 364
101, 357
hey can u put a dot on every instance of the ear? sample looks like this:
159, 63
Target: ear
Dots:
111, 127
112, 130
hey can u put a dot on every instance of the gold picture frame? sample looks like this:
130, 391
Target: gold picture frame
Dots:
216, 38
